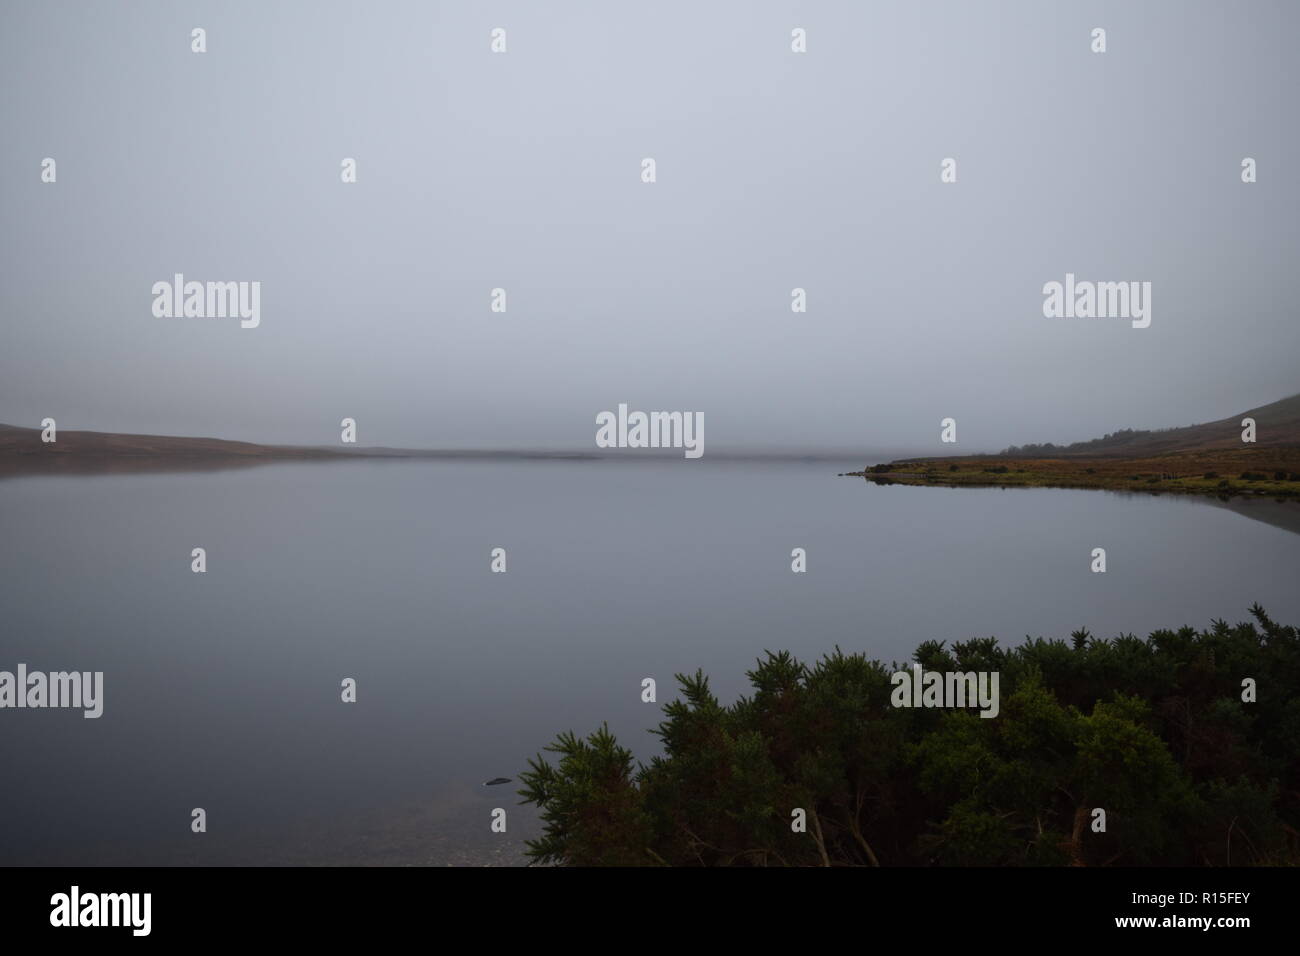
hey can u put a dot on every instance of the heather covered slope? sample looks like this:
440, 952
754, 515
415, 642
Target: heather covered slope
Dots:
1277, 424
1209, 459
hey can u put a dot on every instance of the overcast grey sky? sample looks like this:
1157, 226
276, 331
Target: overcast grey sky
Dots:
522, 170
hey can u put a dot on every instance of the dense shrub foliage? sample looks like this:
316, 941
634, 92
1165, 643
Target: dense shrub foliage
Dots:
1154, 731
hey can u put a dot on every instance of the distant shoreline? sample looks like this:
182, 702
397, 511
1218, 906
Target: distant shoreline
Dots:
1255, 453
1221, 473
22, 452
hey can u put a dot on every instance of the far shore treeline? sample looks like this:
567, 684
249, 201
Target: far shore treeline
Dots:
1180, 749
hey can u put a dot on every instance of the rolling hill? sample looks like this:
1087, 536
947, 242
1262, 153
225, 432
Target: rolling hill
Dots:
1277, 425
1209, 459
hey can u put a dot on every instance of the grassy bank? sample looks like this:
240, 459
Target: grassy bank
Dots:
1224, 473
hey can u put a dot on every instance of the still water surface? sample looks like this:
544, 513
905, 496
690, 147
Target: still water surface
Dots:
222, 690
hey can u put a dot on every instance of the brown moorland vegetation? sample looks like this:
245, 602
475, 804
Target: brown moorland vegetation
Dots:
1207, 459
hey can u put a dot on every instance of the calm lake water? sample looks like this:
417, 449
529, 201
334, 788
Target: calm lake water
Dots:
222, 690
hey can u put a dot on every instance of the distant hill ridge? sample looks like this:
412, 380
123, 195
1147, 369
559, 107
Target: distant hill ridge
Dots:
14, 439
22, 451
1276, 424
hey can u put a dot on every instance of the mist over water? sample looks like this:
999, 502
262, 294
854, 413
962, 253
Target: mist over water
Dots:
520, 171
221, 690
